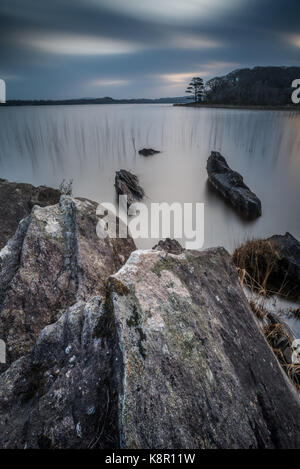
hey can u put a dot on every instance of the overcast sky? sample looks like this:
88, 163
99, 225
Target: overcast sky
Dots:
138, 48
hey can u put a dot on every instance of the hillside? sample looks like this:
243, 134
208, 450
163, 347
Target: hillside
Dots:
259, 86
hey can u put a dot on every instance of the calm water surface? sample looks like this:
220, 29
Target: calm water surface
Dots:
44, 145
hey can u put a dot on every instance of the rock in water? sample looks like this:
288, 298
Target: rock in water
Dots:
232, 187
16, 202
54, 260
127, 184
172, 357
148, 152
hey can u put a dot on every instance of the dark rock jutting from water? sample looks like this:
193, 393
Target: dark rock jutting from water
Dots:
231, 186
127, 183
148, 152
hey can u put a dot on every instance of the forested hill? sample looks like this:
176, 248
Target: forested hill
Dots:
264, 86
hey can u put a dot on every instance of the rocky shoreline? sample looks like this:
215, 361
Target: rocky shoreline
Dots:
113, 347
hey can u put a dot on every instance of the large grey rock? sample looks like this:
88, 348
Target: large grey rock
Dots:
171, 357
16, 202
54, 260
197, 371
230, 184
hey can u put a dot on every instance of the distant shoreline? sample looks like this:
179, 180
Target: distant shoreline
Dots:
72, 102
75, 102
248, 107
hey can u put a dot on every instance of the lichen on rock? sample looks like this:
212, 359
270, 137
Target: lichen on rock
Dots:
197, 372
54, 260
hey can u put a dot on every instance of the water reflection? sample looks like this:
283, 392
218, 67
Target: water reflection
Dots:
44, 145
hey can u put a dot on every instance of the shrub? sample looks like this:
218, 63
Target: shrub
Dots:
66, 187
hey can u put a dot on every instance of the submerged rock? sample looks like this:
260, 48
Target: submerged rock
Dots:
232, 187
148, 152
127, 184
272, 264
172, 357
16, 202
54, 259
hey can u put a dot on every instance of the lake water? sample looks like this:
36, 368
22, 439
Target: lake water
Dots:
44, 145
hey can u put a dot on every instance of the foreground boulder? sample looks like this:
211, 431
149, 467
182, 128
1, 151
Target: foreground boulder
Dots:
197, 371
272, 265
62, 395
230, 184
148, 152
171, 357
127, 184
16, 202
54, 260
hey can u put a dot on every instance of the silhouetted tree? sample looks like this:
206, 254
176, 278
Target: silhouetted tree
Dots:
196, 87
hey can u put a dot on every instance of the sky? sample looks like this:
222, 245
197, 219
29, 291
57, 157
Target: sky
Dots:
61, 49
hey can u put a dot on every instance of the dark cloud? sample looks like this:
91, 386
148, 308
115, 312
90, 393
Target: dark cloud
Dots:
73, 48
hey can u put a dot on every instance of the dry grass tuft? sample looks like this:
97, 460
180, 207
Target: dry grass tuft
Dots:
258, 267
274, 332
257, 310
296, 312
293, 372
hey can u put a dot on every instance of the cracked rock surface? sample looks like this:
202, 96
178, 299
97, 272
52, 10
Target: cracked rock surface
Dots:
54, 260
170, 357
62, 395
197, 371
